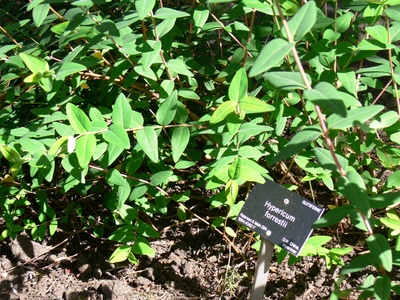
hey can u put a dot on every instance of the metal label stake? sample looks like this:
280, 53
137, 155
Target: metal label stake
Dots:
262, 270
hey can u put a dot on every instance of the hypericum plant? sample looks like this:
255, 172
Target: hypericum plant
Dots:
104, 104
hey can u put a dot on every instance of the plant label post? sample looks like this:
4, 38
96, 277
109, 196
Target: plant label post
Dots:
281, 218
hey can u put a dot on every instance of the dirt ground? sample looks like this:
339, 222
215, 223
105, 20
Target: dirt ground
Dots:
192, 262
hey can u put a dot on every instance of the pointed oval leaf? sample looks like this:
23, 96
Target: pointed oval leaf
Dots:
69, 68
223, 111
118, 136
301, 140
178, 66
10, 154
353, 188
349, 80
147, 139
179, 141
166, 113
144, 7
253, 105
302, 21
34, 64
380, 249
326, 96
85, 147
379, 33
382, 287
355, 116
39, 13
143, 248
287, 80
78, 119
238, 87
326, 161
120, 254
114, 177
334, 216
122, 112
200, 16
169, 13
270, 56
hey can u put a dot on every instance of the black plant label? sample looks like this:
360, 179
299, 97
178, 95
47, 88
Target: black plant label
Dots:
280, 216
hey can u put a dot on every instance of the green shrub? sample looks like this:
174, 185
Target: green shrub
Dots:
105, 105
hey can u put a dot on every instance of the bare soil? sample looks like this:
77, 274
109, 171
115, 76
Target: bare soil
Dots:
192, 262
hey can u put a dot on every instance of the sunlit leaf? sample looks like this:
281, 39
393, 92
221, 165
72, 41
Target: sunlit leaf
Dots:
270, 56
147, 139
39, 13
223, 111
302, 21
238, 87
122, 112
117, 135
144, 7
34, 64
380, 249
353, 188
301, 140
78, 119
179, 141
85, 147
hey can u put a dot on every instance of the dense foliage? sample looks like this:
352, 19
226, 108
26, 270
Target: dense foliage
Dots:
108, 107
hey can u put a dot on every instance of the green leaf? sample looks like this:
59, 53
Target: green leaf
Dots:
234, 169
114, 177
385, 120
161, 177
179, 141
149, 57
270, 56
238, 87
147, 139
142, 247
85, 147
34, 64
144, 7
382, 287
169, 13
166, 112
287, 80
343, 22
69, 68
380, 249
301, 140
122, 112
223, 111
178, 66
353, 188
355, 116
200, 16
394, 180
78, 119
358, 263
302, 21
384, 200
120, 254
326, 161
326, 96
10, 154
253, 105
39, 13
391, 223
334, 216
349, 80
118, 136
379, 33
